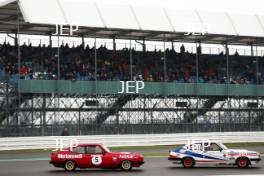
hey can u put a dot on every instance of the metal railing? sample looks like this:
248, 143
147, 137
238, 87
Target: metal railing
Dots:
19, 143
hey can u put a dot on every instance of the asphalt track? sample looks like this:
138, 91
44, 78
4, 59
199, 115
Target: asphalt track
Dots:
158, 166
36, 164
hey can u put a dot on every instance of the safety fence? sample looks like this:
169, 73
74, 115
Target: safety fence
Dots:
46, 142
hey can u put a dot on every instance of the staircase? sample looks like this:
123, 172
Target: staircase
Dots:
9, 100
189, 118
113, 109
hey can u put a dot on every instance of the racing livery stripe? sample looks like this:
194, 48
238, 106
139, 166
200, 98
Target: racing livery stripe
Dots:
205, 161
201, 156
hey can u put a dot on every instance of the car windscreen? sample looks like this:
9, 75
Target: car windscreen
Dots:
222, 146
106, 149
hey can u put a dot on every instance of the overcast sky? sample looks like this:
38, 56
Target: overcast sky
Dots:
237, 6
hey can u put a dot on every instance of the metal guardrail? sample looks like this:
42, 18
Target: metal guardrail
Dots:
19, 143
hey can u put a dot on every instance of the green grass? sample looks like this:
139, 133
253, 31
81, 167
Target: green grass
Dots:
229, 145
155, 154
26, 151
166, 154
253, 144
144, 147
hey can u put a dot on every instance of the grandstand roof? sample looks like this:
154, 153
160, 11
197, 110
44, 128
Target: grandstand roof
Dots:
125, 21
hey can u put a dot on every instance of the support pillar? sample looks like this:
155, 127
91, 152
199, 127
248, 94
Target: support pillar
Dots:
83, 43
164, 60
50, 41
43, 125
144, 46
130, 60
227, 84
114, 44
172, 45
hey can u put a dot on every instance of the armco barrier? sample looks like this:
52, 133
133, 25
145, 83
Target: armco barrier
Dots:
19, 143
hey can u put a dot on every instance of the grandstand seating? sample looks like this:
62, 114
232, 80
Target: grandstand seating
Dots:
77, 63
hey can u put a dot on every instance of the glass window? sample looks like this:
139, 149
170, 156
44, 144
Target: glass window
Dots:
212, 147
94, 150
79, 150
98, 150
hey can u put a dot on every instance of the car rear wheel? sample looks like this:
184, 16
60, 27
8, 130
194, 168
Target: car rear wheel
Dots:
126, 165
242, 162
187, 162
70, 166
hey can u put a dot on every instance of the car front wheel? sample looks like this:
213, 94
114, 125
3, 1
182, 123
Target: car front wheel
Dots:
126, 165
70, 166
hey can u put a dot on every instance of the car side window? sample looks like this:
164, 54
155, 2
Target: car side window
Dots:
98, 150
213, 147
79, 150
94, 150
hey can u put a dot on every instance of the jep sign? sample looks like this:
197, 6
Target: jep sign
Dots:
131, 87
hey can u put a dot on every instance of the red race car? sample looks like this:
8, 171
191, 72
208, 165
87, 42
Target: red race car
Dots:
95, 156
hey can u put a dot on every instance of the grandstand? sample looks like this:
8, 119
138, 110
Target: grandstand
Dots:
169, 89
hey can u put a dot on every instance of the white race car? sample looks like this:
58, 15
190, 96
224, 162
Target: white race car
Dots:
213, 153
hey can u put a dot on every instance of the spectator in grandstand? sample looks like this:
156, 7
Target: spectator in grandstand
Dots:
77, 63
65, 132
182, 49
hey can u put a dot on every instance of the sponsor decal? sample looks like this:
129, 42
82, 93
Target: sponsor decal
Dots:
67, 156
240, 153
125, 156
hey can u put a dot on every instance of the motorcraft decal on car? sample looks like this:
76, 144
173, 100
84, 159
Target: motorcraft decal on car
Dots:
68, 156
